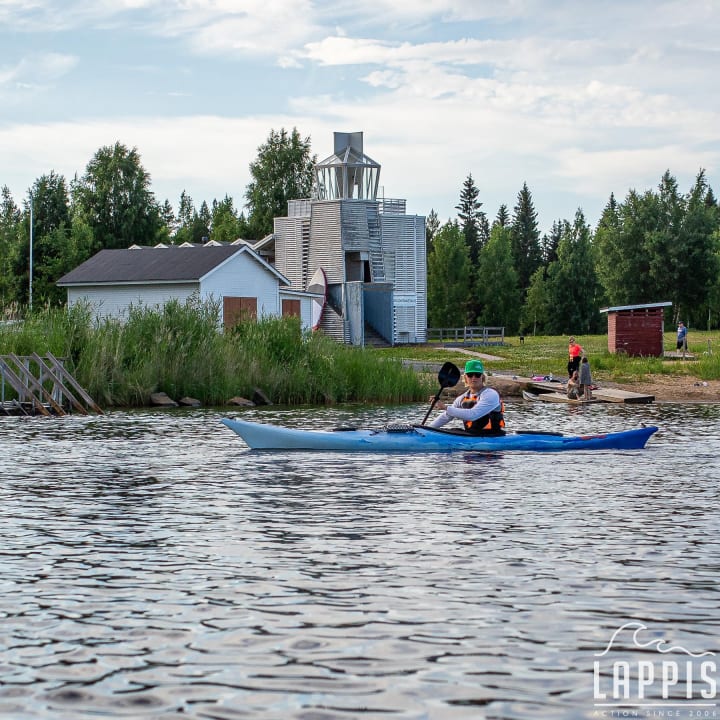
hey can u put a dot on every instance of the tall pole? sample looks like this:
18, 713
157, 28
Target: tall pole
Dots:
31, 252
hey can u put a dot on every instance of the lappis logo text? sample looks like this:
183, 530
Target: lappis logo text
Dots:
666, 677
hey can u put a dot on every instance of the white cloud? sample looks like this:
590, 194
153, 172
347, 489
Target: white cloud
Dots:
35, 72
258, 27
576, 100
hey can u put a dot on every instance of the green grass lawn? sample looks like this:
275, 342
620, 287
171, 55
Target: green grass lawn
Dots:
542, 355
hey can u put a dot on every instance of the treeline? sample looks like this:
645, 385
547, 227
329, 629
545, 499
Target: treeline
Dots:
656, 246
112, 206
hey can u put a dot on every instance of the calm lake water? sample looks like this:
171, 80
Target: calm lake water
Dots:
153, 567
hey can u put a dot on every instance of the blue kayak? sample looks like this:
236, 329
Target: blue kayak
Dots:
416, 438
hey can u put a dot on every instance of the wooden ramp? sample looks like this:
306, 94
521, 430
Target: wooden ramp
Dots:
41, 386
621, 396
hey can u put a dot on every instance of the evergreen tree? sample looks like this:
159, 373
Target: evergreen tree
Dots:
186, 211
698, 254
663, 239
609, 248
660, 246
432, 225
193, 226
483, 230
503, 217
710, 200
710, 309
550, 243
470, 217
525, 238
449, 277
283, 170
622, 253
474, 228
167, 216
639, 218
572, 285
205, 222
243, 227
498, 292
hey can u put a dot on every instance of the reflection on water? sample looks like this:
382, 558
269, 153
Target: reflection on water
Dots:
152, 567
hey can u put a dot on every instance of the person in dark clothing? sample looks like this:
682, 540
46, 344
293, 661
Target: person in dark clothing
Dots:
585, 377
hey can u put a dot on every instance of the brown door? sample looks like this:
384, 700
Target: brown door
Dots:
236, 309
291, 308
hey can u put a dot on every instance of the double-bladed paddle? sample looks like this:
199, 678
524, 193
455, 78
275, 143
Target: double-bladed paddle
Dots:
448, 376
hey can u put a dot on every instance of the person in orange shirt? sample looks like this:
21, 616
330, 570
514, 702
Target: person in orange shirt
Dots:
574, 355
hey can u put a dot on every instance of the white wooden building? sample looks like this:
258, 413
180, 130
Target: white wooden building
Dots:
236, 276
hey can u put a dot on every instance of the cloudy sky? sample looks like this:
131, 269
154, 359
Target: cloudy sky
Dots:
578, 99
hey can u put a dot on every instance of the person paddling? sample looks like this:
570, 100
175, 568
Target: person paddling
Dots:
480, 408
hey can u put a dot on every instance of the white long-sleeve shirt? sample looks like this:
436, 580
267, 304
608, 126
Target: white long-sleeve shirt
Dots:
488, 401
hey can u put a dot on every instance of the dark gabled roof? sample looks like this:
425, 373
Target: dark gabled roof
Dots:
157, 264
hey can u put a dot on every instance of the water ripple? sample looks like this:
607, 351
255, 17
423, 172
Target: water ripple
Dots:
154, 568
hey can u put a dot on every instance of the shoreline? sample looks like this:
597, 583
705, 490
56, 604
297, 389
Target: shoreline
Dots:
664, 388
673, 389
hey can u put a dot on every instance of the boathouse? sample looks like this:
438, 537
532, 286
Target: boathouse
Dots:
236, 276
636, 330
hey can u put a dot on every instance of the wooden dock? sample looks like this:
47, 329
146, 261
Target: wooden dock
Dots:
34, 385
602, 394
621, 396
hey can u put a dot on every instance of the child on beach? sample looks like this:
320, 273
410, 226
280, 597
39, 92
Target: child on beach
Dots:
574, 389
585, 378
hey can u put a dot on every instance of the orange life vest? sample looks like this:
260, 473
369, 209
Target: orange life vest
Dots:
493, 422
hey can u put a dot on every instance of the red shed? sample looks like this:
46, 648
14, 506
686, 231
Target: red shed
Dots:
636, 329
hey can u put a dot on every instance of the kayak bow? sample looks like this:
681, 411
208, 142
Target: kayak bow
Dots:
416, 438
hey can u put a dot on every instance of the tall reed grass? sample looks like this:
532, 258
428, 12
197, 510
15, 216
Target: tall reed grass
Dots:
180, 350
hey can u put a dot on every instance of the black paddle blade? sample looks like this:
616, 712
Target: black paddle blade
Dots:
448, 376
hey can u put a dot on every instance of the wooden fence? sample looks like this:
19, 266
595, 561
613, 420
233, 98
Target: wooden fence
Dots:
468, 335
